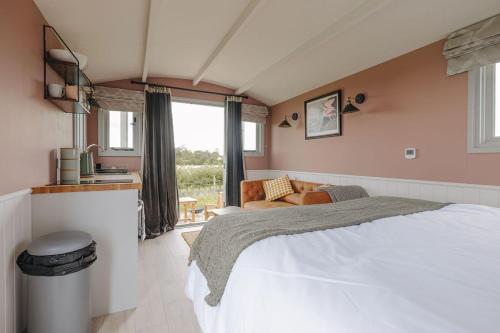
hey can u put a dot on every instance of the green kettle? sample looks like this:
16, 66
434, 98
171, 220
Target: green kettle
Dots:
87, 166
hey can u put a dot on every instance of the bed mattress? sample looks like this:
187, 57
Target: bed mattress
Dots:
435, 271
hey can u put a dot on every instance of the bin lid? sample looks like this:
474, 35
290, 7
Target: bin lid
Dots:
59, 243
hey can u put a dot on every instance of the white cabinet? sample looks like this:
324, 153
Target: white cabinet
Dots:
111, 218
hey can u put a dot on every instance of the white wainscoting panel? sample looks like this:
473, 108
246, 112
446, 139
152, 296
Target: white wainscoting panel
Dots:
409, 188
15, 235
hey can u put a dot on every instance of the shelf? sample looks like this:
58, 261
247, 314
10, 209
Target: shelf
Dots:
68, 71
62, 99
68, 105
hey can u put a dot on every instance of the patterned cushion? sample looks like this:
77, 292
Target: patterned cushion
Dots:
277, 188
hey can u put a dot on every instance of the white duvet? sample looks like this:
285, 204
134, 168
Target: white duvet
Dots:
434, 271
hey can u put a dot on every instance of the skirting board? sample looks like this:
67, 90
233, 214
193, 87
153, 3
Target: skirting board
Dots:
408, 188
15, 235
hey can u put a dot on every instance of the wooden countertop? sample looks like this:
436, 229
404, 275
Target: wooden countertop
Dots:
136, 184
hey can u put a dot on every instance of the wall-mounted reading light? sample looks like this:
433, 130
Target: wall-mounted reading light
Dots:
285, 123
349, 107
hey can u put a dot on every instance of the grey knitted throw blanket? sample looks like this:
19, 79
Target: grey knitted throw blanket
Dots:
223, 238
342, 193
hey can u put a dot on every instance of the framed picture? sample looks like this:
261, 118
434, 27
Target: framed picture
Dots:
322, 116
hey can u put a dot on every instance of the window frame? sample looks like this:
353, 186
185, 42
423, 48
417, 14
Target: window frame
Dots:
260, 130
79, 130
103, 136
481, 111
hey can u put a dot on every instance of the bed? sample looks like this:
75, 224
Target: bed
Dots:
432, 271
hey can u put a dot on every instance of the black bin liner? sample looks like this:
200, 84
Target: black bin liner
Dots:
58, 264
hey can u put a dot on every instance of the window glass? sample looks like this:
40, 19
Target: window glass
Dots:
249, 136
497, 99
198, 127
121, 130
120, 133
484, 110
114, 129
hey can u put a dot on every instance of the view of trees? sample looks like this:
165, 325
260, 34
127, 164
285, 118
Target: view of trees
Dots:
199, 174
185, 156
199, 177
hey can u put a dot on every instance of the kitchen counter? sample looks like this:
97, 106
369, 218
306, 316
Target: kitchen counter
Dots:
93, 184
108, 212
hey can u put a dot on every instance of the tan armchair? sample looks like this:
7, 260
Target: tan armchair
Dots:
306, 193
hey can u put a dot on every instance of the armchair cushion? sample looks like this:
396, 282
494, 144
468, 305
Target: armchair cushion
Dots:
305, 193
307, 198
251, 190
261, 204
294, 198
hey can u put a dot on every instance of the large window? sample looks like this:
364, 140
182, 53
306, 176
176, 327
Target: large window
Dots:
253, 138
199, 153
484, 109
120, 133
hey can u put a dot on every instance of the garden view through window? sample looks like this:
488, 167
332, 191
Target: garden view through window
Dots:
199, 153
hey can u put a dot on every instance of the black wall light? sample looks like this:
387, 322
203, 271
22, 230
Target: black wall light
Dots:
349, 107
285, 123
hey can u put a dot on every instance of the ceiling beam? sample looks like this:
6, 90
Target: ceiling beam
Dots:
147, 45
244, 17
344, 23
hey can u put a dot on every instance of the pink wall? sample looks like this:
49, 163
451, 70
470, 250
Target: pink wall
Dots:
133, 163
30, 127
410, 103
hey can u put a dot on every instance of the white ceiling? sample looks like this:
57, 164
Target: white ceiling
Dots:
269, 49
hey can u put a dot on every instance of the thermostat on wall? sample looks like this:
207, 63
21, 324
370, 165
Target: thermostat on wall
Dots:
410, 153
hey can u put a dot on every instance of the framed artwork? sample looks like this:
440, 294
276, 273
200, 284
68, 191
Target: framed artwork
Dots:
322, 116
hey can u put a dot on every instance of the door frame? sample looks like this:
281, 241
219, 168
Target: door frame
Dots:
188, 100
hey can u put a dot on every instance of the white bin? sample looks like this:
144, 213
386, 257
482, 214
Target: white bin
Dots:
58, 282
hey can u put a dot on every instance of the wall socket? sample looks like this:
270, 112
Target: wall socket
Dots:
410, 153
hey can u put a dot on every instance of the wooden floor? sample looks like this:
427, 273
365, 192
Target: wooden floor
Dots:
163, 306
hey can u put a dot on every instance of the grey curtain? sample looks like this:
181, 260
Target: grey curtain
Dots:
159, 191
234, 151
473, 46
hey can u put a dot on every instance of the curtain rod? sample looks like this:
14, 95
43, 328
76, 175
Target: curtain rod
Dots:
186, 89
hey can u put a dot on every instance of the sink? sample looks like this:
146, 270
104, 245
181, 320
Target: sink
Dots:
96, 181
111, 173
105, 181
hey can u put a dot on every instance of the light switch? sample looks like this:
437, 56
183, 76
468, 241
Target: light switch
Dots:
410, 153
